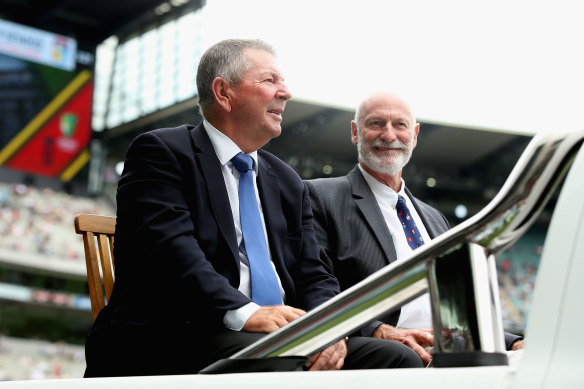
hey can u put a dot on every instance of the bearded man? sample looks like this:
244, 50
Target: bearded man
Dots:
369, 219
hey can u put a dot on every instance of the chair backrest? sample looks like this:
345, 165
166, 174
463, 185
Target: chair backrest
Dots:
98, 241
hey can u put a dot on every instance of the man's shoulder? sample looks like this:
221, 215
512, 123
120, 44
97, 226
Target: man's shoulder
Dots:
328, 183
174, 138
287, 178
330, 191
276, 163
431, 214
421, 204
171, 132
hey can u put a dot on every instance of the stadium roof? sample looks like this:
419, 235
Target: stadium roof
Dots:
90, 22
310, 128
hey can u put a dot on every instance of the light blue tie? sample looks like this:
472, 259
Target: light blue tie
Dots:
264, 284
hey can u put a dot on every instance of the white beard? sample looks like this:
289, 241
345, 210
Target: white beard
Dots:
390, 162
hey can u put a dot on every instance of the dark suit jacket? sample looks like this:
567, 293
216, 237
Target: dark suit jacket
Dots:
353, 235
176, 253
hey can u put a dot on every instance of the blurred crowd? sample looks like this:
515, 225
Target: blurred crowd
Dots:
516, 271
40, 221
25, 359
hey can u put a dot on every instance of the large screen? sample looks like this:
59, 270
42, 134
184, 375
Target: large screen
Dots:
45, 104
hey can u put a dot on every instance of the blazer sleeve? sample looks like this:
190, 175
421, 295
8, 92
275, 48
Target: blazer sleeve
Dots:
320, 224
156, 239
324, 230
510, 339
316, 282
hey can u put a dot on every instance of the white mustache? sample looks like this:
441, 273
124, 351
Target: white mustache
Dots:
396, 144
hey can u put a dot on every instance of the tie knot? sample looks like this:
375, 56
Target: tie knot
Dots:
400, 201
242, 162
401, 206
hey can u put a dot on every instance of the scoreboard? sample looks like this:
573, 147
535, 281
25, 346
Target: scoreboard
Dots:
45, 103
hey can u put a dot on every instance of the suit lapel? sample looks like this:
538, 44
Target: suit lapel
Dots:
367, 204
432, 228
269, 193
211, 168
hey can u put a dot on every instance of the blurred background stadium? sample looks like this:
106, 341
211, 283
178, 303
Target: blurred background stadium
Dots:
80, 79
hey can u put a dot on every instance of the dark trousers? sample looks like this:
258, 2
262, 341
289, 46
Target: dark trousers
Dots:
130, 353
362, 352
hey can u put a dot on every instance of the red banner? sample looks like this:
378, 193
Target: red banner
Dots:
60, 140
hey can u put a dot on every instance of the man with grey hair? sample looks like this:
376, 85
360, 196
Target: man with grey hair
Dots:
214, 243
369, 219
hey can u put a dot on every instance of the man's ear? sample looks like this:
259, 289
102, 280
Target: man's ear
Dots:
416, 131
220, 88
354, 137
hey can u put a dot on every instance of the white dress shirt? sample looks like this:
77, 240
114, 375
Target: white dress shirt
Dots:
226, 149
417, 313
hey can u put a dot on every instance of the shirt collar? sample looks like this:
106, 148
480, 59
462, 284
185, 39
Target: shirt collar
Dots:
382, 190
224, 147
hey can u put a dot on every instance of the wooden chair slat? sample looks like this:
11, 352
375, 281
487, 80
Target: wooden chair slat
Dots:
98, 238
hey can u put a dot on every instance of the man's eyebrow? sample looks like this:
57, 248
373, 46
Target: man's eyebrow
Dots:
272, 74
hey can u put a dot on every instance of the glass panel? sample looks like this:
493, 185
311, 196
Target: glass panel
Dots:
150, 72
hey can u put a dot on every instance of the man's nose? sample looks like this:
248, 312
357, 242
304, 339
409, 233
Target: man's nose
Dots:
283, 92
388, 133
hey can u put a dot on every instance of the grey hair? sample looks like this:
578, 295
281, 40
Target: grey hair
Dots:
225, 59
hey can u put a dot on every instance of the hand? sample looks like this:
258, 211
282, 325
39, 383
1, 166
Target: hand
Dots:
518, 345
416, 339
331, 358
270, 318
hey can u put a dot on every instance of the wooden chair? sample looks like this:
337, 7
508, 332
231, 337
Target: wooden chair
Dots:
98, 241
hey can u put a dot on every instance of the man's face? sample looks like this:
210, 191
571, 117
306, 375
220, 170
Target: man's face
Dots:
260, 98
387, 134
